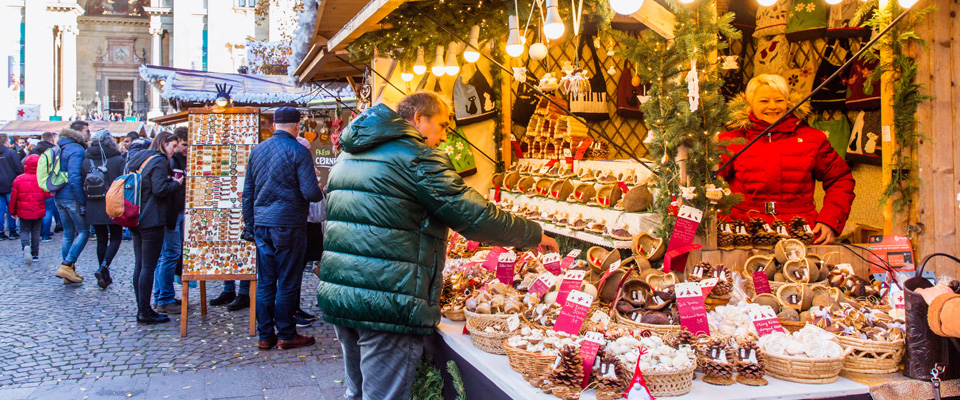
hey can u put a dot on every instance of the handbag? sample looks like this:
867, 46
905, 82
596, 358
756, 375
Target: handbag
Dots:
834, 95
628, 103
461, 156
592, 105
861, 96
771, 56
836, 126
772, 20
924, 349
864, 145
473, 101
807, 20
800, 80
839, 26
524, 103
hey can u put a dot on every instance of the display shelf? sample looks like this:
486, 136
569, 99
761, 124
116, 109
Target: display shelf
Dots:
616, 166
496, 369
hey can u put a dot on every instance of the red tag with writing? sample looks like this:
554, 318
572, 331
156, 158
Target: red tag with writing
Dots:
571, 282
472, 246
505, 265
693, 313
496, 194
573, 312
543, 284
490, 264
588, 353
582, 149
551, 262
707, 285
623, 187
672, 257
766, 322
568, 260
688, 218
761, 283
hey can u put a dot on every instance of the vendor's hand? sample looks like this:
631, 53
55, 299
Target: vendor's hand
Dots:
547, 243
824, 234
931, 293
247, 235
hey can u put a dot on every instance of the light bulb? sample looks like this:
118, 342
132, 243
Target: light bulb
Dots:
471, 54
438, 68
686, 1
406, 76
452, 67
553, 25
514, 46
626, 7
538, 51
832, 2
419, 67
906, 3
222, 101
766, 3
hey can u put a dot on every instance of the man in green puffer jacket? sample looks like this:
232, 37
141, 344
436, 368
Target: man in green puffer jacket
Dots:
391, 198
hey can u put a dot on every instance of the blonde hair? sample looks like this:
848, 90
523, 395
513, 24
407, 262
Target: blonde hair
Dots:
774, 81
424, 103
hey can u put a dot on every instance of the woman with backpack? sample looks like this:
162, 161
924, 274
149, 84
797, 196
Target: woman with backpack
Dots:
102, 164
156, 185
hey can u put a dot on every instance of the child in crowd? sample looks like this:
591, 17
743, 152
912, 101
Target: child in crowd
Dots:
28, 202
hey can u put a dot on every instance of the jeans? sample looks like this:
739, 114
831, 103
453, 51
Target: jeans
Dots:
231, 287
11, 222
379, 365
279, 276
108, 242
147, 244
30, 235
170, 256
52, 213
75, 230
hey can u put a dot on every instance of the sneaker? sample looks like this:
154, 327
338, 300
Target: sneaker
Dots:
68, 273
14, 235
170, 308
36, 259
301, 321
27, 255
46, 239
307, 316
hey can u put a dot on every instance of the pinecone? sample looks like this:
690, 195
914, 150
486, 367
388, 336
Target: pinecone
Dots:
713, 369
740, 237
569, 372
762, 236
707, 272
751, 370
600, 151
755, 225
783, 231
798, 229
684, 337
602, 375
725, 284
724, 238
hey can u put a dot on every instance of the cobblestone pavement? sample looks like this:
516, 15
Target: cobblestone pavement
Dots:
78, 341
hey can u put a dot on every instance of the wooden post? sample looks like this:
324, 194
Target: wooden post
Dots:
184, 299
506, 102
253, 307
203, 297
888, 143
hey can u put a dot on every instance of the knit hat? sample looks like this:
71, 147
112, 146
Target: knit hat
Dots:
100, 135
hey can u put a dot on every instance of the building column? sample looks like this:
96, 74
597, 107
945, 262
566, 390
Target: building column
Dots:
68, 65
155, 54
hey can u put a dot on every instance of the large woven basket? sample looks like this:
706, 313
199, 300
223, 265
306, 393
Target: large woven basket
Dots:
470, 314
528, 362
660, 330
488, 342
872, 357
803, 369
457, 315
667, 384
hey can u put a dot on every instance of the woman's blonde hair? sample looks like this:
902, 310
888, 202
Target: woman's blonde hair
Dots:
424, 103
774, 81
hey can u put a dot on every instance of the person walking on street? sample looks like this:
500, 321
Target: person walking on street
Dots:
71, 201
101, 166
279, 185
48, 140
156, 186
10, 168
171, 255
392, 198
28, 202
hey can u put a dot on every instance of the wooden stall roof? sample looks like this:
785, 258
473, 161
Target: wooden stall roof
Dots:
36, 128
170, 119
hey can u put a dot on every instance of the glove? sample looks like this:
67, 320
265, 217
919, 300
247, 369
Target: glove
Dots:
247, 235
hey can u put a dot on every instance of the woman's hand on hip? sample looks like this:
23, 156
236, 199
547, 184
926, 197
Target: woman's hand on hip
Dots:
824, 234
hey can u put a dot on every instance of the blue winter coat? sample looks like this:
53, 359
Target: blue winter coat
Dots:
10, 167
280, 184
73, 147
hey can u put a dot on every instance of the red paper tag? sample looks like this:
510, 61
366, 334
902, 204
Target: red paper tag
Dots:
707, 285
623, 187
524, 257
452, 242
761, 282
894, 249
472, 246
571, 282
543, 284
582, 149
551, 163
573, 312
568, 156
568, 260
674, 256
588, 353
551, 262
490, 264
505, 267
516, 149
496, 194
693, 313
683, 232
766, 322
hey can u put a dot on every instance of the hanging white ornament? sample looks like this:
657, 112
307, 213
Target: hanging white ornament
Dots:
520, 74
611, 70
548, 83
730, 62
610, 53
693, 86
538, 51
643, 98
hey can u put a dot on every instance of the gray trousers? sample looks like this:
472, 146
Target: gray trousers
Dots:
379, 365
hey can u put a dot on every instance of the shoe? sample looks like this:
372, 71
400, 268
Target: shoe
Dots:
27, 255
223, 299
307, 316
106, 275
151, 317
3, 236
46, 239
266, 344
68, 273
36, 259
14, 235
58, 228
101, 275
242, 301
301, 321
316, 269
170, 308
177, 301
296, 342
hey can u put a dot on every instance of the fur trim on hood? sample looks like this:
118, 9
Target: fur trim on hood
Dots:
740, 110
74, 135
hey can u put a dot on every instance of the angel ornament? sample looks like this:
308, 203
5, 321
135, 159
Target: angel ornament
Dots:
520, 74
693, 86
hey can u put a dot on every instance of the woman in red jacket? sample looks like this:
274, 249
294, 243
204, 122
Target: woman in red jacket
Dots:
777, 175
28, 202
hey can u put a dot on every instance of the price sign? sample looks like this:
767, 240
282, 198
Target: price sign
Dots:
571, 281
588, 353
766, 322
551, 262
543, 284
568, 260
707, 285
505, 267
490, 264
688, 218
472, 246
573, 312
693, 312
761, 282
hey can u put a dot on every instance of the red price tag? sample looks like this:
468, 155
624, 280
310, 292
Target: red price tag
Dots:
568, 260
496, 194
707, 285
623, 187
472, 246
693, 312
571, 282
761, 282
688, 218
453, 242
674, 256
582, 149
490, 264
525, 257
505, 267
589, 348
551, 262
573, 312
766, 322
543, 284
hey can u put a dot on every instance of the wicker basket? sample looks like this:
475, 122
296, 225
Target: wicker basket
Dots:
457, 315
667, 384
660, 330
803, 369
471, 314
792, 326
872, 357
488, 342
528, 362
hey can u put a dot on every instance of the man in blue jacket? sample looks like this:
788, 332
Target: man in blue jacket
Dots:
278, 188
10, 167
71, 200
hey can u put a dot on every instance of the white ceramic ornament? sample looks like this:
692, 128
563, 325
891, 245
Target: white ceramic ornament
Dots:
693, 86
730, 62
538, 51
520, 74
611, 70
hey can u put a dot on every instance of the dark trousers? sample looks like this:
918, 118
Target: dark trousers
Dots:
30, 234
108, 242
147, 244
279, 276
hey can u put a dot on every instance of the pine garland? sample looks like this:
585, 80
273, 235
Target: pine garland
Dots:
457, 380
427, 383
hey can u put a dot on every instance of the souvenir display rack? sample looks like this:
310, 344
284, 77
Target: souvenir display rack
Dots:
220, 145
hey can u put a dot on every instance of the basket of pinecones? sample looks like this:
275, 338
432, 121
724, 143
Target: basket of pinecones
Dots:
611, 377
724, 236
564, 379
781, 228
750, 364
716, 365
599, 150
763, 236
741, 238
800, 229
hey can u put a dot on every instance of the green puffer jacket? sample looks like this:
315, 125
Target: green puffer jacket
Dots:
390, 202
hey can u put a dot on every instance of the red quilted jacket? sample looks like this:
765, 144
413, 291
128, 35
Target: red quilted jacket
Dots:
784, 168
27, 200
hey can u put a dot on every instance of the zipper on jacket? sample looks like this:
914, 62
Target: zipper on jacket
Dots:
433, 277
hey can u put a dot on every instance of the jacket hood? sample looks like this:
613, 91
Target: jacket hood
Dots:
378, 125
740, 111
30, 164
109, 149
135, 158
73, 135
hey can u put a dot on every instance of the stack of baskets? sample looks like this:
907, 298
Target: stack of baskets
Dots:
490, 342
667, 384
803, 369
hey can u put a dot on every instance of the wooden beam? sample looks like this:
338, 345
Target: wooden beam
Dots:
364, 21
307, 60
657, 18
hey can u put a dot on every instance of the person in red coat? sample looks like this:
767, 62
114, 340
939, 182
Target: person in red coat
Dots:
29, 203
777, 175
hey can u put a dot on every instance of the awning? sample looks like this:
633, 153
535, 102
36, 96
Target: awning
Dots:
37, 128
